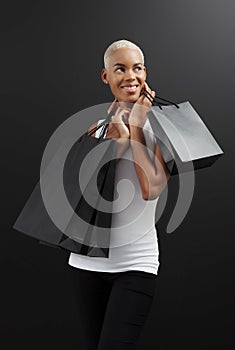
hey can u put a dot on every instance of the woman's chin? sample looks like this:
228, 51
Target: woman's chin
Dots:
129, 99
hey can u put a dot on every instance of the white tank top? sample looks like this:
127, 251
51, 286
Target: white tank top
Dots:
133, 237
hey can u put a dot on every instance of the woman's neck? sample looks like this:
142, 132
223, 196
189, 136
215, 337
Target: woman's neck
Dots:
124, 105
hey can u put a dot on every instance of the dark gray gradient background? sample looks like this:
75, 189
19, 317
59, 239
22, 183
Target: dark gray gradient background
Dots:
51, 63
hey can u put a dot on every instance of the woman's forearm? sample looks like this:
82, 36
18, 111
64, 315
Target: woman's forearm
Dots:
146, 170
123, 144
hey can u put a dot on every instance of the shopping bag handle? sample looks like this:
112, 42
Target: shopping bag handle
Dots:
92, 131
155, 102
104, 123
152, 99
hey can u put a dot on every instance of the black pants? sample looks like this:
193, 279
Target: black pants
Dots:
112, 307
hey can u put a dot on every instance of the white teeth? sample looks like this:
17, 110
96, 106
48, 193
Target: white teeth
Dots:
131, 88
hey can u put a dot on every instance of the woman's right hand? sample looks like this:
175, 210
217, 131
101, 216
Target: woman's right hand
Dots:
117, 127
118, 130
118, 122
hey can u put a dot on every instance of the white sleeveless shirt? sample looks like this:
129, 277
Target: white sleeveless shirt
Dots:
133, 237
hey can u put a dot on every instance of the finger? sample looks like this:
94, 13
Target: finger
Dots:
121, 111
146, 87
113, 105
121, 115
145, 98
150, 94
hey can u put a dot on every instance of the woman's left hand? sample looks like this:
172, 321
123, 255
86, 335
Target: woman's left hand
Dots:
138, 115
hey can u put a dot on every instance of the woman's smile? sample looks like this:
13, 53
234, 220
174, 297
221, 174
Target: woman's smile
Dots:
130, 88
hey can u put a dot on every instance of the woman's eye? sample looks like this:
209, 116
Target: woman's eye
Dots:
137, 68
120, 69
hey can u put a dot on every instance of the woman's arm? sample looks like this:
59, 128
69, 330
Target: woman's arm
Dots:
118, 131
153, 176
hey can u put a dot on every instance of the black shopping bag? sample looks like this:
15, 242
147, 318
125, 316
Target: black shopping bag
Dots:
91, 236
185, 141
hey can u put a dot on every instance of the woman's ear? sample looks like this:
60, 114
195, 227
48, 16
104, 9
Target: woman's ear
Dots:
104, 76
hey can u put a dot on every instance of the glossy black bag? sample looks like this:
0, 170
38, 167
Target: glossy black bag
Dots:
87, 232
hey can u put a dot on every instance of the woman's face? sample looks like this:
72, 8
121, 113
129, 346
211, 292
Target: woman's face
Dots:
125, 74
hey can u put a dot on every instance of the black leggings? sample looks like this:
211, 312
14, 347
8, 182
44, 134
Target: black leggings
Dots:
112, 307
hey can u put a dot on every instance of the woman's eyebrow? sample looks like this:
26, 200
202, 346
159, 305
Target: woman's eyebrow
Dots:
123, 65
119, 64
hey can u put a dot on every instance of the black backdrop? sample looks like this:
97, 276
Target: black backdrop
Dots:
51, 63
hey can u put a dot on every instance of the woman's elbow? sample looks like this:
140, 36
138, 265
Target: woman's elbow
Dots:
154, 191
150, 196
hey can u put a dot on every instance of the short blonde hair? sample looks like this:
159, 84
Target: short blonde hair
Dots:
119, 45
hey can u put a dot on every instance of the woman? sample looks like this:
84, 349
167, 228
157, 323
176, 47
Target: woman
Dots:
114, 295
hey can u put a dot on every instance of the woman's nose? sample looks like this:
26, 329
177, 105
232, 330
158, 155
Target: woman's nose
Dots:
130, 75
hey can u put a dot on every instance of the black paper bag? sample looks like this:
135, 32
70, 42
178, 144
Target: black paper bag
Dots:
185, 141
35, 221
